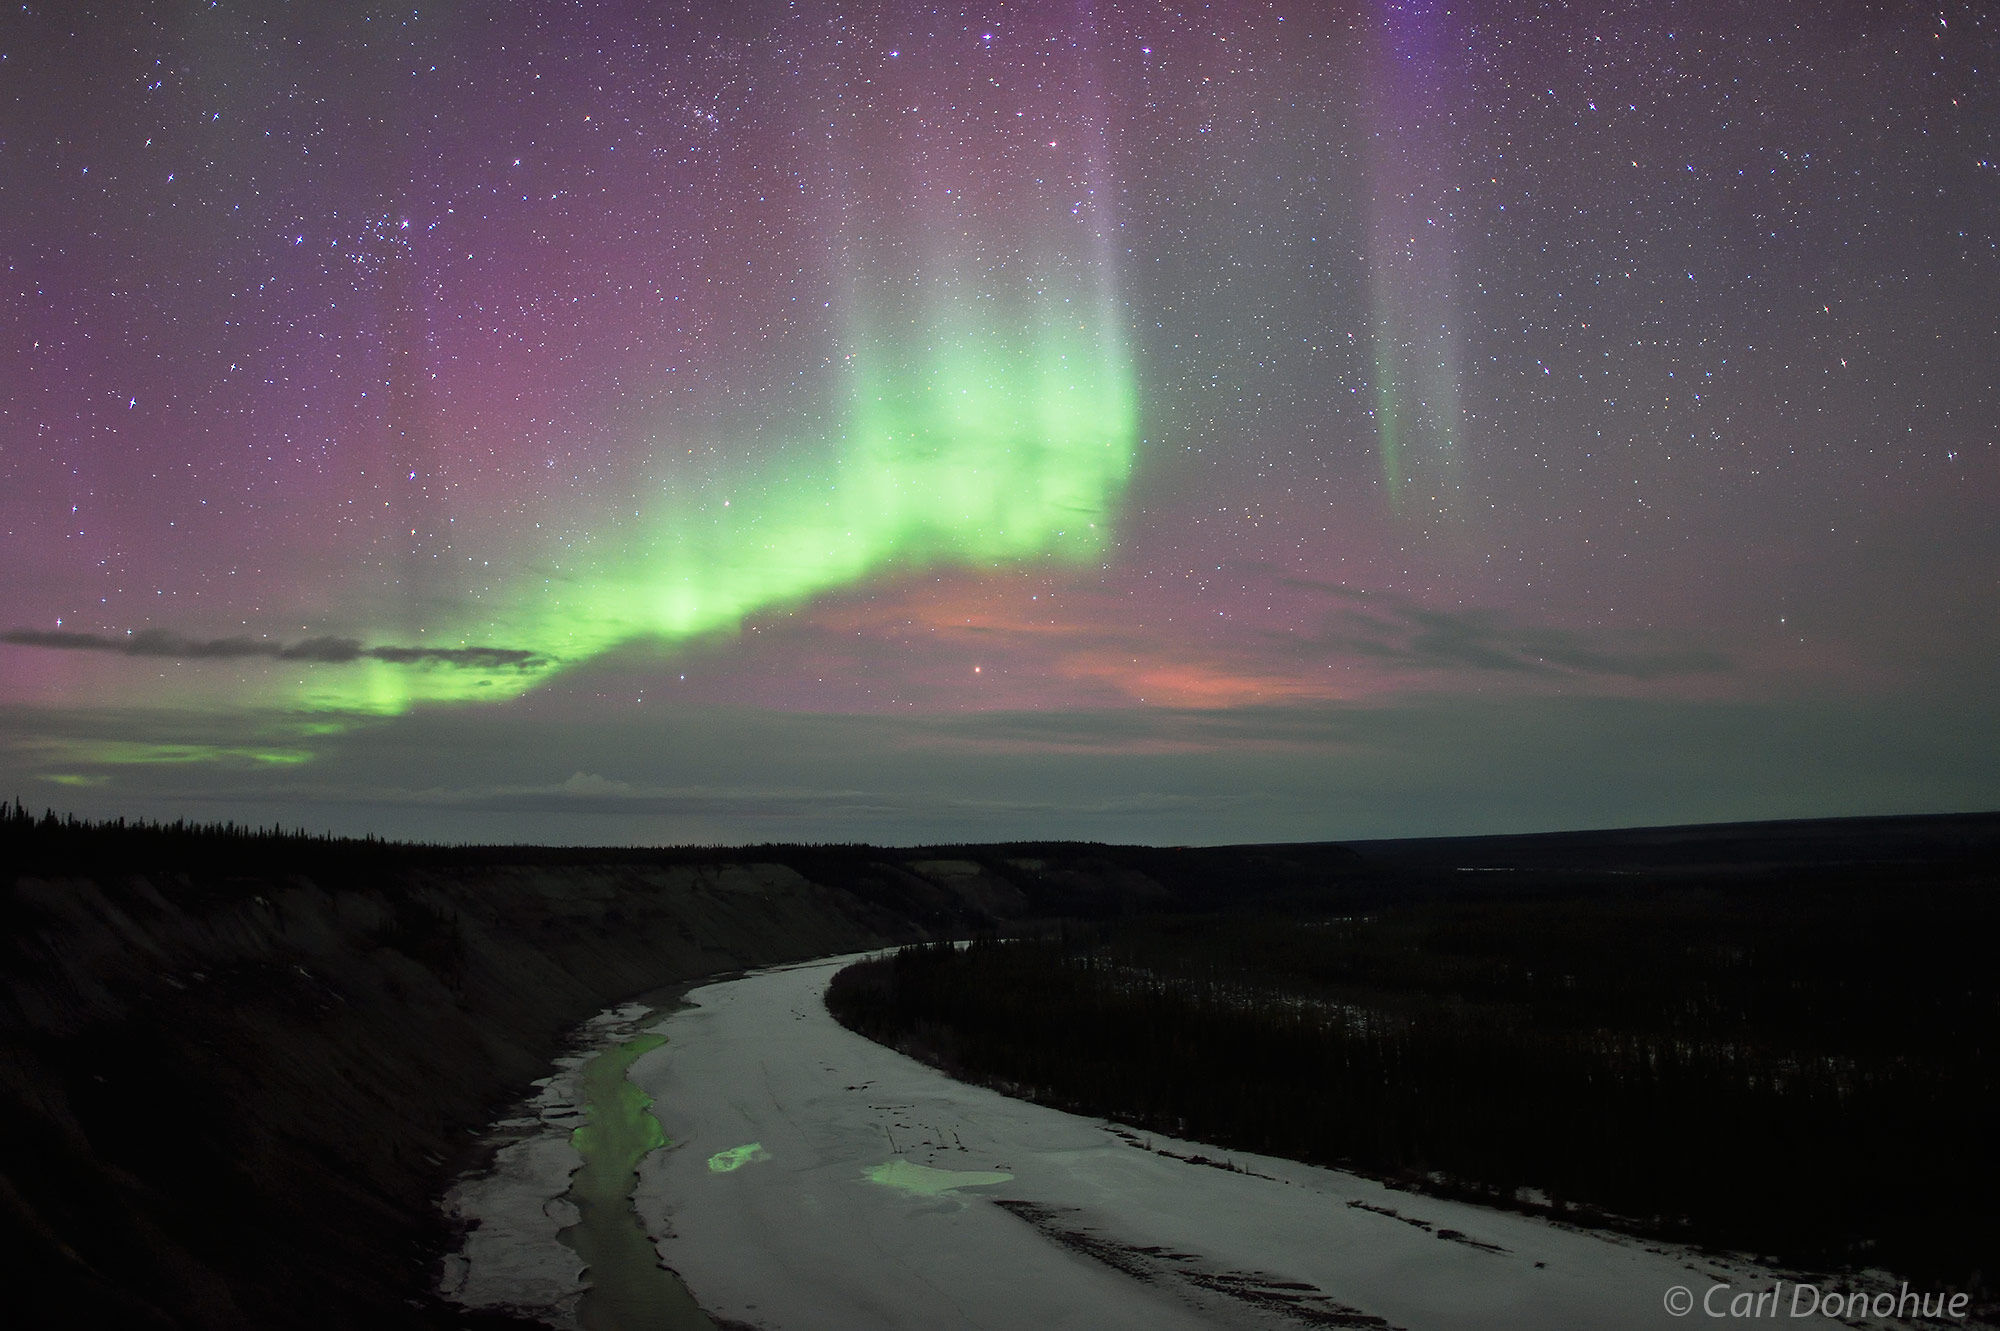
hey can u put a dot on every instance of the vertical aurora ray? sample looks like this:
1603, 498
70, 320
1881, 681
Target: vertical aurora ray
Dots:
1412, 240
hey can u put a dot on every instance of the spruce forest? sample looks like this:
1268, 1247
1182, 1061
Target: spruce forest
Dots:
1803, 1071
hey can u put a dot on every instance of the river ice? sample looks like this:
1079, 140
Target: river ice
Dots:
821, 1180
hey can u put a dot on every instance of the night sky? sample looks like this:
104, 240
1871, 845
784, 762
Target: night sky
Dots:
605, 422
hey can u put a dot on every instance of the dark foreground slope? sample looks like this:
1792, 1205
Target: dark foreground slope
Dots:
236, 1071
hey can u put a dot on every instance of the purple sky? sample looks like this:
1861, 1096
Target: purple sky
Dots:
1526, 416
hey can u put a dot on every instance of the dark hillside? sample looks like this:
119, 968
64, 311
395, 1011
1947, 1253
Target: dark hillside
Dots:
236, 1068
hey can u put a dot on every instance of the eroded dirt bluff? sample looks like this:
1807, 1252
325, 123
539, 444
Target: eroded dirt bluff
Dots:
233, 1082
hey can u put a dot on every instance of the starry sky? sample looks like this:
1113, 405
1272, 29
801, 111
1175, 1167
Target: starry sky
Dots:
632, 422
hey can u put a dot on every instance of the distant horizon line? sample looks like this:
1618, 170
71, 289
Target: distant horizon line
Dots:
17, 818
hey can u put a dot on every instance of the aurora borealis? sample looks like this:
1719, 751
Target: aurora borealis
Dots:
606, 422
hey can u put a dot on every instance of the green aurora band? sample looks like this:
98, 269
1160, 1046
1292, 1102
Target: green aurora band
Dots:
977, 408
984, 433
989, 445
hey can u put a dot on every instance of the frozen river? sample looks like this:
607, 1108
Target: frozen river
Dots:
820, 1180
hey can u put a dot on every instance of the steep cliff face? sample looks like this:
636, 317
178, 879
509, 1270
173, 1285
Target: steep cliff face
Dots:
227, 1099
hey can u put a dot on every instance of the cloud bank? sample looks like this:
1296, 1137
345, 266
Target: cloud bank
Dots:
324, 650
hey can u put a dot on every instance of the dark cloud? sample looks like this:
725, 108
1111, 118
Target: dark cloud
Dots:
327, 650
151, 642
1482, 640
333, 650
469, 658
1394, 629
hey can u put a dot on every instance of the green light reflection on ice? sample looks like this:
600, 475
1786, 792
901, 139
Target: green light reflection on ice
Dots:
733, 1159
924, 1181
627, 1286
617, 1131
